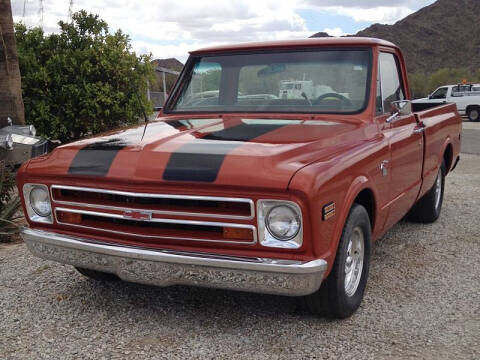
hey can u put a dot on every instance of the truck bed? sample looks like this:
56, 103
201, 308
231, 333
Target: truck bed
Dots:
441, 121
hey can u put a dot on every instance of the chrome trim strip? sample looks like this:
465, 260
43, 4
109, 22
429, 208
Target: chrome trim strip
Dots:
158, 196
156, 220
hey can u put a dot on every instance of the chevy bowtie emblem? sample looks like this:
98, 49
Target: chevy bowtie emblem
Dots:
137, 215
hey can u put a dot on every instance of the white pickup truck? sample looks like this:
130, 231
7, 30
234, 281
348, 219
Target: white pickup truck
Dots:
467, 98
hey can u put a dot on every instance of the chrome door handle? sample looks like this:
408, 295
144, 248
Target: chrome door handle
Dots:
418, 130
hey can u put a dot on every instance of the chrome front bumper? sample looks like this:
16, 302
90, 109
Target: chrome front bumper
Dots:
166, 267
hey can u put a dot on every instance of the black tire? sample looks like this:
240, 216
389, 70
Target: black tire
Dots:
473, 113
97, 275
332, 299
429, 207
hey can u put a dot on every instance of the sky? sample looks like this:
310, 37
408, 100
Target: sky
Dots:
172, 28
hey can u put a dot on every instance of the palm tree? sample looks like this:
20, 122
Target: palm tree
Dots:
11, 102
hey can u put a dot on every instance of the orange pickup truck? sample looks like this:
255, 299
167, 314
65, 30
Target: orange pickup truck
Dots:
272, 168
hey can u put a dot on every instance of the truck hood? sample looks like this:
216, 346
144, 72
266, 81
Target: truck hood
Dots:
229, 150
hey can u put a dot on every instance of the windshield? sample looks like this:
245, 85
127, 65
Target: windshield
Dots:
320, 81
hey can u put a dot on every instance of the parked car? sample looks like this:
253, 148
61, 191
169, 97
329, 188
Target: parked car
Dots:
24, 143
269, 195
465, 96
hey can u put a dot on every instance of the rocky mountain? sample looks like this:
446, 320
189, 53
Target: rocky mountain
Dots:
170, 63
444, 34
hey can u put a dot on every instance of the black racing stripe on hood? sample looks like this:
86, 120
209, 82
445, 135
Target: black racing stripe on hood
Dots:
201, 159
96, 159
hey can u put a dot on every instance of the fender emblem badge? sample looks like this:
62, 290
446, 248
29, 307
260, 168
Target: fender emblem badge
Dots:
328, 211
137, 215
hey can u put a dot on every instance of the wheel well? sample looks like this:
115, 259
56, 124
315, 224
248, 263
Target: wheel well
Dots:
471, 107
448, 157
367, 200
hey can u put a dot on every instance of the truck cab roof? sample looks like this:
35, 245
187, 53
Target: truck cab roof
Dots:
311, 42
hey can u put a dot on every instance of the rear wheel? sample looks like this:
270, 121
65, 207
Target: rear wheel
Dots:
428, 208
473, 113
97, 275
342, 292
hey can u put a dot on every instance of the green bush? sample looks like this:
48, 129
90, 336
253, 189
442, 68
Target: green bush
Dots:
83, 80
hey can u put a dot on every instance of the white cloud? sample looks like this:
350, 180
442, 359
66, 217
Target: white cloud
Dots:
170, 28
369, 4
334, 32
381, 14
373, 11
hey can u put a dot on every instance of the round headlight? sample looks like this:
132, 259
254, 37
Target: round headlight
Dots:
33, 131
40, 202
283, 222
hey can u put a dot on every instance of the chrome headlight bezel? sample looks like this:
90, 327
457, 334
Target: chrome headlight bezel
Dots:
34, 215
264, 207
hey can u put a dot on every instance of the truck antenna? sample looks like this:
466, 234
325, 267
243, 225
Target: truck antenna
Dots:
144, 114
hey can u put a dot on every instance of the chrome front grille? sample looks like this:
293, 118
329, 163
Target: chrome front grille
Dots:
145, 217
163, 204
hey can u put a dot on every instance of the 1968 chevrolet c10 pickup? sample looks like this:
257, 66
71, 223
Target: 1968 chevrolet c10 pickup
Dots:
272, 168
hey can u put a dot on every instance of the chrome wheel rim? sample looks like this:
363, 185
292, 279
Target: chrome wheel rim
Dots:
354, 261
474, 114
438, 189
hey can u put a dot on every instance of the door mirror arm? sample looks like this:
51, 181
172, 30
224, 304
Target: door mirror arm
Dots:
392, 117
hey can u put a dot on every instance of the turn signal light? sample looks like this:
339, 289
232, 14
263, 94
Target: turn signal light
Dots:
69, 218
237, 233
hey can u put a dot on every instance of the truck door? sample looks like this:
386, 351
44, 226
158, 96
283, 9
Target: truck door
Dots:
405, 140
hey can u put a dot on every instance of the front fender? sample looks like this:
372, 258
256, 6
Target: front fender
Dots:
342, 189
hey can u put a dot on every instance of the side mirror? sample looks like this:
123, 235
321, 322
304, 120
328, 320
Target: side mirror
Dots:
402, 107
399, 108
157, 108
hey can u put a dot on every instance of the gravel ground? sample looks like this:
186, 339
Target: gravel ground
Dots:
422, 301
471, 137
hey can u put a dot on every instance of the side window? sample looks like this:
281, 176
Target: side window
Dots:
458, 91
440, 94
391, 86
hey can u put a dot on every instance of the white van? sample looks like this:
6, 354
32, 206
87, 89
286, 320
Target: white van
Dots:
466, 96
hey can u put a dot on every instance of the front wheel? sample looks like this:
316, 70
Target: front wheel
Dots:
342, 292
